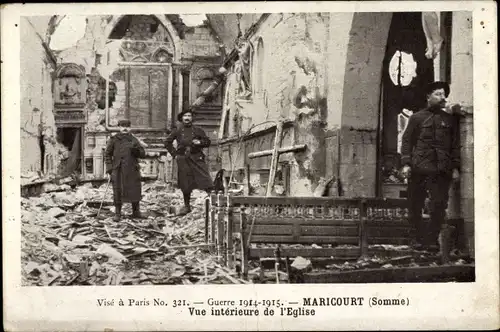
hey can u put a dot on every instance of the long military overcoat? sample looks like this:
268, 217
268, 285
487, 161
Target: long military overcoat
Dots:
122, 158
192, 167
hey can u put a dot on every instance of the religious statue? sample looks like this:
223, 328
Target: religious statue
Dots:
71, 86
430, 24
242, 66
70, 92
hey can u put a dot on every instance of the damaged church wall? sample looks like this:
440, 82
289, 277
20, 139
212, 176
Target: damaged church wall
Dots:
461, 91
323, 72
84, 53
293, 88
197, 50
38, 130
356, 132
197, 53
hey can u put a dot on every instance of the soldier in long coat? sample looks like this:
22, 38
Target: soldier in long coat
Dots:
192, 167
431, 159
122, 164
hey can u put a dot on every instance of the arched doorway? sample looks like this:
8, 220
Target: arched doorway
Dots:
406, 71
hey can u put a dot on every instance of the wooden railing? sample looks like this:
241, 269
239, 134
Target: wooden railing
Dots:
337, 227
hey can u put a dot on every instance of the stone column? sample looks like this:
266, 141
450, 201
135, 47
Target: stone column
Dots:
462, 92
364, 47
180, 84
169, 93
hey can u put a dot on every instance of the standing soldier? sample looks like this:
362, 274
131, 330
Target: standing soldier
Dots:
192, 168
431, 159
122, 154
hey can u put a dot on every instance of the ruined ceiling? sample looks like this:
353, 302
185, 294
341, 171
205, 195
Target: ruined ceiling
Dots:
122, 26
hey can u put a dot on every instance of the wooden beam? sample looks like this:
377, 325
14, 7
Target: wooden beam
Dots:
338, 253
297, 201
229, 234
243, 245
264, 153
275, 158
463, 273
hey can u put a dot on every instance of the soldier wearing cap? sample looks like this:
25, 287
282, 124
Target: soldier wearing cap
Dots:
122, 153
192, 168
431, 159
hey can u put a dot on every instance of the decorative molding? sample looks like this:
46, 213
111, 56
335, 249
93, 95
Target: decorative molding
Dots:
171, 31
70, 118
146, 51
70, 86
70, 69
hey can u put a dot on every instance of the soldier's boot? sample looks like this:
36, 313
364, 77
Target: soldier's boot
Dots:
136, 211
118, 212
445, 243
185, 210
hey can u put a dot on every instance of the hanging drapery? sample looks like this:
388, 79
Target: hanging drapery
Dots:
430, 24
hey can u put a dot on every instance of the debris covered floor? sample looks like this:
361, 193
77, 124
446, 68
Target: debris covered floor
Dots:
65, 242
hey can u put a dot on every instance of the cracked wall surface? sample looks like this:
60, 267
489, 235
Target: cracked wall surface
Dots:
38, 134
312, 66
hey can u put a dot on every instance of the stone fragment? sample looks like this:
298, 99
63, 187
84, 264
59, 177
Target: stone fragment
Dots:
112, 253
56, 212
301, 264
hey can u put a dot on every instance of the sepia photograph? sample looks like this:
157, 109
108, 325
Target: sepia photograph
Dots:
247, 148
242, 148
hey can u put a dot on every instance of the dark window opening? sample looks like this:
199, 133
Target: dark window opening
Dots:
42, 152
66, 136
89, 165
406, 72
445, 55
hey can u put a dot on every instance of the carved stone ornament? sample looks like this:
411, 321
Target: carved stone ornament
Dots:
69, 118
146, 51
70, 86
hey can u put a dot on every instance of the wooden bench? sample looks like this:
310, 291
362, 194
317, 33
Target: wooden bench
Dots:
356, 222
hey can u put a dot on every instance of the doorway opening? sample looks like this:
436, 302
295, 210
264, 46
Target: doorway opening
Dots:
71, 162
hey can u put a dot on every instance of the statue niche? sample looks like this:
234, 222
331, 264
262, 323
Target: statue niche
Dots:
70, 88
242, 67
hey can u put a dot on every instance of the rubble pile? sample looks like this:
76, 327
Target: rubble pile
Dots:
381, 256
66, 242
